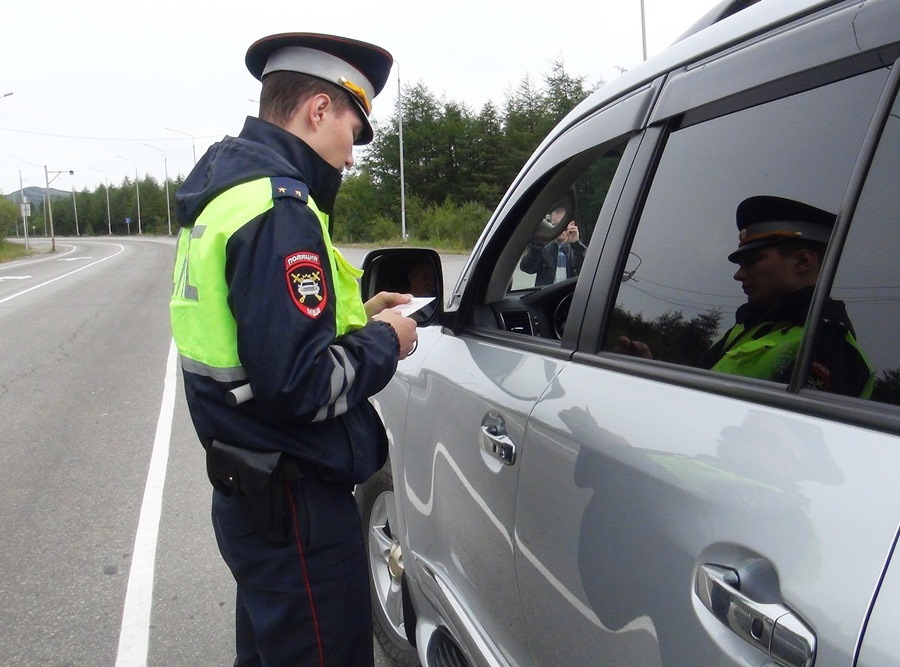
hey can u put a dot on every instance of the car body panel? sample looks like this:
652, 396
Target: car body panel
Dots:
632, 478
699, 479
459, 500
879, 646
777, 55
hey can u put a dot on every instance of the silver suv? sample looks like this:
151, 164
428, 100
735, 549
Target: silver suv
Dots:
640, 456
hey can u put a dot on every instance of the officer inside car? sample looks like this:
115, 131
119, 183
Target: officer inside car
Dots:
781, 243
263, 301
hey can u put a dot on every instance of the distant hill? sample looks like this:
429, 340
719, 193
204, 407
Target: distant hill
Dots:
35, 195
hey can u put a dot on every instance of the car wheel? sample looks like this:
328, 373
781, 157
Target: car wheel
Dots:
376, 503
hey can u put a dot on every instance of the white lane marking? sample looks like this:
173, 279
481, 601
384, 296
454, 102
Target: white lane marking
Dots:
74, 259
65, 275
134, 637
39, 258
2, 278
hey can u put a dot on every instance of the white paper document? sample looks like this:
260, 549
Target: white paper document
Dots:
417, 303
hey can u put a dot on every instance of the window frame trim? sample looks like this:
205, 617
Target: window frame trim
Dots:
831, 261
795, 395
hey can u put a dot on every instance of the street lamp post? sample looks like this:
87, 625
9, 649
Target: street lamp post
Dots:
193, 145
402, 181
643, 30
166, 168
137, 189
49, 205
108, 215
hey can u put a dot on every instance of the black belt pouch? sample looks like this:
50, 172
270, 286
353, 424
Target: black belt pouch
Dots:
257, 478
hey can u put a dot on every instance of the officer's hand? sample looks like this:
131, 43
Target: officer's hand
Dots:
384, 300
405, 328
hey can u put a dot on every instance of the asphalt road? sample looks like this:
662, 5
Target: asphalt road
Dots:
109, 556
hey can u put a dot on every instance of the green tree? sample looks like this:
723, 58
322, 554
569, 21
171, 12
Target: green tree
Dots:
8, 214
485, 174
358, 202
669, 336
564, 91
525, 124
887, 387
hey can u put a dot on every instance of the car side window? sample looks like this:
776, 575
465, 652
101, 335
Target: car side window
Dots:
867, 284
561, 235
708, 280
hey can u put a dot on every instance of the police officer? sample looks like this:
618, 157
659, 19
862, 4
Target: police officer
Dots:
264, 306
781, 243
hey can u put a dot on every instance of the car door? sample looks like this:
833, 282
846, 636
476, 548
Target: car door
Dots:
671, 515
456, 474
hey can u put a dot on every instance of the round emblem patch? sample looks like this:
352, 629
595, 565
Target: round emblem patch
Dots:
306, 282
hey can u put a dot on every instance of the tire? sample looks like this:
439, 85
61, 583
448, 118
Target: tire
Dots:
389, 613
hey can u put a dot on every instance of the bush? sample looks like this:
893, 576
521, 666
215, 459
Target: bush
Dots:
451, 225
385, 231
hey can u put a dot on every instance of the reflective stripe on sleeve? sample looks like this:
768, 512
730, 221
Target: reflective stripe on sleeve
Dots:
342, 379
233, 374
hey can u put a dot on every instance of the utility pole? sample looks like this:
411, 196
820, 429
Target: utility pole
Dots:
49, 205
166, 171
75, 206
137, 188
24, 209
108, 214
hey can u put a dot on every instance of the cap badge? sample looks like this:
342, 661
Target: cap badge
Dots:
359, 92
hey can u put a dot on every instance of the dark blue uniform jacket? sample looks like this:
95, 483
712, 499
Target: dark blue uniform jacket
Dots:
310, 389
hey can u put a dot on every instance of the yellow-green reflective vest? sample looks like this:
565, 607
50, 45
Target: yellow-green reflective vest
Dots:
769, 356
204, 329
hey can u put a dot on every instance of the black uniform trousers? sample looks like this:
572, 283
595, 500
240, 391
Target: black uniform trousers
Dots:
306, 602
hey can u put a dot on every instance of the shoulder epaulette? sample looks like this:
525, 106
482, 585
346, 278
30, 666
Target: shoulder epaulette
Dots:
289, 187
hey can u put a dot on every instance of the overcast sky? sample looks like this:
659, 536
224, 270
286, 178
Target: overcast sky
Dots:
95, 80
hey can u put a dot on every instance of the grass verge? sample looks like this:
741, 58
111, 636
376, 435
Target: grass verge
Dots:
10, 251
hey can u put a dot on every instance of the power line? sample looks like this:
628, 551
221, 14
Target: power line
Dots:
71, 136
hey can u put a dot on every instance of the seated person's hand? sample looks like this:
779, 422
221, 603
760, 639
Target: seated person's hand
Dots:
635, 348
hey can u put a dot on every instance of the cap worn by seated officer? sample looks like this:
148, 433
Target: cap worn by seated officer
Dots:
359, 68
765, 220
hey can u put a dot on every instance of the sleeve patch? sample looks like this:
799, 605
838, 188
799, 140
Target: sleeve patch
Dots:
819, 376
306, 282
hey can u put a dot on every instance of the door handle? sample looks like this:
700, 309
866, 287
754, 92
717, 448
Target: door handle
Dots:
770, 626
495, 441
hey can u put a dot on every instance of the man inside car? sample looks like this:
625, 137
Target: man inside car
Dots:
557, 260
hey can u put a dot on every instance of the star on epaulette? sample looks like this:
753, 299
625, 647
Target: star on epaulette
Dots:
282, 190
298, 193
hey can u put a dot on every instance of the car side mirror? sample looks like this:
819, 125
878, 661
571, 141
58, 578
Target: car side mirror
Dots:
415, 271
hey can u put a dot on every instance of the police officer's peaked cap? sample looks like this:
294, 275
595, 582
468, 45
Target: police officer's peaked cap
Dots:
764, 220
359, 68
